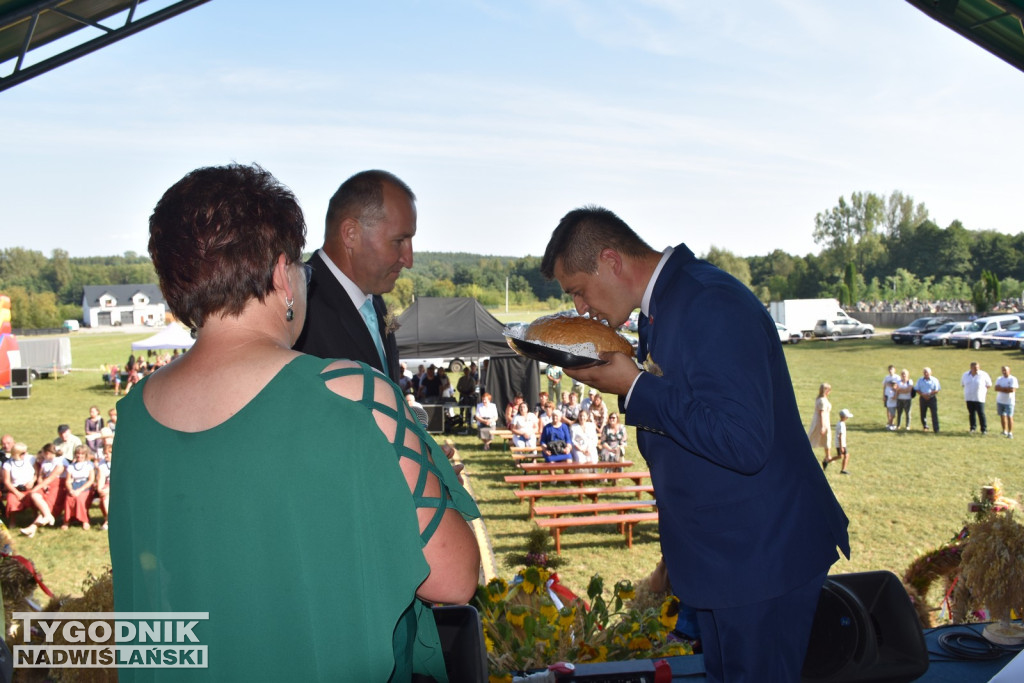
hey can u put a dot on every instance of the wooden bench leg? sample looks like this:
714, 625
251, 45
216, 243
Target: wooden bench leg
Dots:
629, 535
558, 540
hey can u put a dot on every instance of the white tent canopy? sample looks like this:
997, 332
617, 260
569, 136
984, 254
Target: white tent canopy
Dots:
174, 336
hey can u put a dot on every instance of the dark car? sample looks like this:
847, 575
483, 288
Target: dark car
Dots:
912, 333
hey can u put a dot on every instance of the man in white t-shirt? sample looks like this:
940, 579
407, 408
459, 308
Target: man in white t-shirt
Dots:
1006, 396
976, 383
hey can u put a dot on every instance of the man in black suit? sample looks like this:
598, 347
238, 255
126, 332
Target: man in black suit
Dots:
371, 221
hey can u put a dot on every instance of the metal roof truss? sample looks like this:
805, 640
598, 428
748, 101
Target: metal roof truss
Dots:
27, 25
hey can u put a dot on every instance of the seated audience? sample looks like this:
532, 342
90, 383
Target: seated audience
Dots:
571, 411
78, 483
486, 419
524, 428
103, 475
93, 425
512, 409
19, 477
556, 439
613, 440
50, 473
598, 411
584, 439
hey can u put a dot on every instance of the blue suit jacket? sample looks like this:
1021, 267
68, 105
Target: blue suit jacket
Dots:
745, 511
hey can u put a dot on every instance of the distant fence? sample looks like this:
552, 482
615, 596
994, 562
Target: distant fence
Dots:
36, 332
892, 319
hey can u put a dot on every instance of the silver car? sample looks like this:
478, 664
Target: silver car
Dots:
843, 327
940, 337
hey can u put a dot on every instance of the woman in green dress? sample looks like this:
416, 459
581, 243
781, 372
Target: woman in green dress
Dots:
293, 499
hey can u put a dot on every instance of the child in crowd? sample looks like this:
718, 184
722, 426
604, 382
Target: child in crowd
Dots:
841, 450
890, 406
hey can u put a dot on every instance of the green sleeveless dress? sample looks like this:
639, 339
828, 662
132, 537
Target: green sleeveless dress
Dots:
291, 524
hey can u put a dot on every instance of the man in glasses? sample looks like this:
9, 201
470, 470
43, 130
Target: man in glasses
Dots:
371, 221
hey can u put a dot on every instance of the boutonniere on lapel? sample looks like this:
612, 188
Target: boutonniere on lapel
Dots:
390, 322
649, 364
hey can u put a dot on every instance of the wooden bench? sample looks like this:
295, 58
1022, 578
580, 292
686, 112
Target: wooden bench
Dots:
591, 492
574, 478
568, 466
520, 453
503, 435
596, 508
626, 522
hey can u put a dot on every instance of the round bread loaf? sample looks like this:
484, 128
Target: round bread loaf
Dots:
567, 330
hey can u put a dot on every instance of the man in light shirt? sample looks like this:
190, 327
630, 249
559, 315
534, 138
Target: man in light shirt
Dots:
1006, 397
370, 224
976, 383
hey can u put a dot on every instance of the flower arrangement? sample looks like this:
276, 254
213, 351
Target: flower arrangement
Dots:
534, 622
992, 572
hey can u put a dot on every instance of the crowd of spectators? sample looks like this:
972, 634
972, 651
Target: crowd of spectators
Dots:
938, 306
64, 477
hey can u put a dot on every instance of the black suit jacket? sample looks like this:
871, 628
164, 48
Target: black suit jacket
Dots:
334, 327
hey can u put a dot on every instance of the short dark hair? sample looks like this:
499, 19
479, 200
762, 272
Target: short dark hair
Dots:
582, 234
362, 197
215, 236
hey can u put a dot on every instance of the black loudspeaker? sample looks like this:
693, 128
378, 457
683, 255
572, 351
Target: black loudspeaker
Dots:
462, 642
20, 392
865, 630
20, 377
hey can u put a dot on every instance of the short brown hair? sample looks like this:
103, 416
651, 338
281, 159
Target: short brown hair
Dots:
362, 197
215, 236
582, 234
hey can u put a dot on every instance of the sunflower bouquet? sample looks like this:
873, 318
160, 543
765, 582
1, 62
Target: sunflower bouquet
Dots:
534, 621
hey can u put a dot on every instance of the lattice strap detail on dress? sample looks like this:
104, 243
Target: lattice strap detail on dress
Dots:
404, 424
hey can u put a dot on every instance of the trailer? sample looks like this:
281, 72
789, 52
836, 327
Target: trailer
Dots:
42, 357
800, 315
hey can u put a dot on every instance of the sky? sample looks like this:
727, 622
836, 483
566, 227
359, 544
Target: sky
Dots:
727, 124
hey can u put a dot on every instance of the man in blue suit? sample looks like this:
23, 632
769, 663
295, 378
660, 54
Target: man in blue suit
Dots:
749, 526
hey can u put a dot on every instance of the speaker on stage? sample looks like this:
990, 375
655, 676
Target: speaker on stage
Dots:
865, 630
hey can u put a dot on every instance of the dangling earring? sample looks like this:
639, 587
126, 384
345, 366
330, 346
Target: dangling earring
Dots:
289, 315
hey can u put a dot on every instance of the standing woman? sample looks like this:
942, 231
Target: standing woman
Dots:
364, 544
904, 399
820, 432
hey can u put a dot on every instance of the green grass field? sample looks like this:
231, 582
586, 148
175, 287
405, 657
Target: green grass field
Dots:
906, 494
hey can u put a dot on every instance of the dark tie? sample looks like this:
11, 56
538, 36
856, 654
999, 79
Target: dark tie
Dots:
641, 349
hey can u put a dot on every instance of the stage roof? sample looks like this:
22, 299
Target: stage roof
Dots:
57, 26
993, 24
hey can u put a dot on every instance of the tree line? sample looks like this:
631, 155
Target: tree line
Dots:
873, 248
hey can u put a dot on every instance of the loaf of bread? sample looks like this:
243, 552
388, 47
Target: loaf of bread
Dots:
565, 330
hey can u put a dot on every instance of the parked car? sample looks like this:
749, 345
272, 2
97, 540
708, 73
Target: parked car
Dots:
787, 337
843, 327
1010, 338
71, 326
980, 333
912, 333
940, 337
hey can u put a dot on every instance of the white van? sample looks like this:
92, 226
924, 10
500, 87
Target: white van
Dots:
981, 330
71, 326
